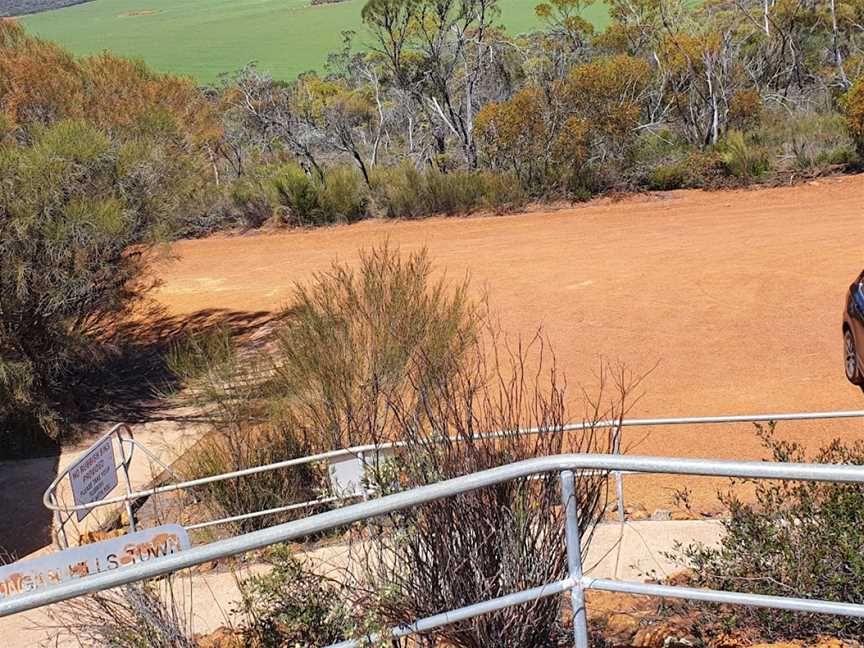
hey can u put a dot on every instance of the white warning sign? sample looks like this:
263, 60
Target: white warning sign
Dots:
94, 475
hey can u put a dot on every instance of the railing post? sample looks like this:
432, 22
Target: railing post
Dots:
62, 539
362, 457
574, 559
619, 478
128, 481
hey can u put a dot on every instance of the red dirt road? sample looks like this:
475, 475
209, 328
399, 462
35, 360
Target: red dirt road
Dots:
736, 296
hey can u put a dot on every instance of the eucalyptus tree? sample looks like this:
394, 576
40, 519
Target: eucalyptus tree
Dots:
440, 54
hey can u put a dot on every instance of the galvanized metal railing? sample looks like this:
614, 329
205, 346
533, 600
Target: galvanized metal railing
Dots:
569, 467
64, 513
365, 455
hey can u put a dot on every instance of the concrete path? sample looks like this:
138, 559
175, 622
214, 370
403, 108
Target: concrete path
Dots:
632, 553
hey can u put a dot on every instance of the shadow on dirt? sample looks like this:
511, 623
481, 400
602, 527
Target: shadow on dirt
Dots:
26, 523
133, 378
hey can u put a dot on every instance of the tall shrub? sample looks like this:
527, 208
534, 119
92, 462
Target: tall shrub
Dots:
346, 341
493, 541
100, 158
77, 212
356, 334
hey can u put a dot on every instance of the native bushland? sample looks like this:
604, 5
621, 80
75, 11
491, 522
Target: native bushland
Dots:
100, 160
797, 539
435, 110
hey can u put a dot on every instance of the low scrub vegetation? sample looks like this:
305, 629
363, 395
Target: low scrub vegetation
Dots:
345, 343
152, 614
291, 605
386, 352
799, 539
442, 113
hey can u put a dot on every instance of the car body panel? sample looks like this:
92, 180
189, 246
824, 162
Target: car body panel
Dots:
853, 316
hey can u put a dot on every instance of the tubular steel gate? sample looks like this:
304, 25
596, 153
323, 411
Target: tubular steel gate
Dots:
568, 466
354, 460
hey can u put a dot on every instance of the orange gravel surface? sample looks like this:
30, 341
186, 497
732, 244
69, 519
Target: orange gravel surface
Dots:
735, 296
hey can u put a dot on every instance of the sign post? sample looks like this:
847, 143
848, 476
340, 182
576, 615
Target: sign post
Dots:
348, 472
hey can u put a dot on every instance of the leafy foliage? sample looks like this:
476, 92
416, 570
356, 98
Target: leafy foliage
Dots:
853, 107
292, 606
743, 161
801, 539
100, 161
71, 205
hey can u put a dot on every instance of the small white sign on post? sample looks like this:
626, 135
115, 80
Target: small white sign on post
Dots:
346, 476
348, 472
94, 475
79, 562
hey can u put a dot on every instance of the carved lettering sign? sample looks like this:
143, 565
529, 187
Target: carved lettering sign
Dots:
79, 562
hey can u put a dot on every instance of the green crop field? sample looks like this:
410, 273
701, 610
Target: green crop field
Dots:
206, 38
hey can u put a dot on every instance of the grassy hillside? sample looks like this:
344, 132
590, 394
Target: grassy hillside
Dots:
204, 38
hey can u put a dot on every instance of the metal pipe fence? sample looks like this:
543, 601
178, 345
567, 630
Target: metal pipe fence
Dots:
64, 513
362, 455
568, 466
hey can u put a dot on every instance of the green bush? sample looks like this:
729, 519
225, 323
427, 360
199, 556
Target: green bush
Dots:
668, 176
254, 196
343, 197
503, 192
578, 189
660, 161
340, 198
405, 192
77, 211
802, 539
298, 194
744, 161
395, 191
292, 606
705, 169
452, 193
807, 141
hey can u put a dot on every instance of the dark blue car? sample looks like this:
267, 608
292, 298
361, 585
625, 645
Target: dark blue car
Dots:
853, 332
